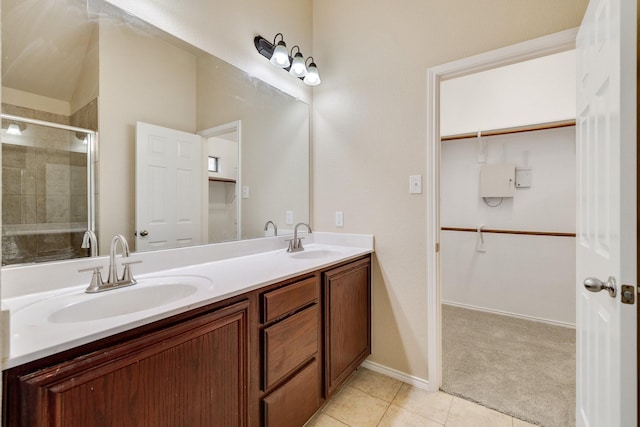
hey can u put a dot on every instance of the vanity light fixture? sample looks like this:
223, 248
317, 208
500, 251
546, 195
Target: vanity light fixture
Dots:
295, 64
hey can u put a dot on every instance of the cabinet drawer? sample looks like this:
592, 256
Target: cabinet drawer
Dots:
289, 343
296, 401
290, 298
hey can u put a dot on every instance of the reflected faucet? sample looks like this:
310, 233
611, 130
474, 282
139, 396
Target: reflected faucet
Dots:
295, 245
90, 241
275, 227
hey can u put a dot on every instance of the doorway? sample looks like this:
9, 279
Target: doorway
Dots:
517, 53
222, 207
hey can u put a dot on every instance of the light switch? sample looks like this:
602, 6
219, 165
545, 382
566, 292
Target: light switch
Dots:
415, 184
245, 191
339, 219
289, 220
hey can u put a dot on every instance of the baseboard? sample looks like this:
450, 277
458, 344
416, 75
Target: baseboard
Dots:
506, 313
401, 376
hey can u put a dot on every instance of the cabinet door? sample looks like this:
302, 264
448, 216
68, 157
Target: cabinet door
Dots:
191, 374
347, 321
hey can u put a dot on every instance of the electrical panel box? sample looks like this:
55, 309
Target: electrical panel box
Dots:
497, 180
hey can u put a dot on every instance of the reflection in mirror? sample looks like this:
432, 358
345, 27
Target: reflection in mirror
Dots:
81, 63
223, 148
46, 181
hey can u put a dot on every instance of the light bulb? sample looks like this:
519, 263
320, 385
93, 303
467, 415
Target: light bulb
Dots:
14, 129
298, 68
280, 57
313, 77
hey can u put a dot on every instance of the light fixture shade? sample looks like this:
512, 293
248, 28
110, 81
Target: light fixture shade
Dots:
298, 67
280, 57
313, 77
14, 129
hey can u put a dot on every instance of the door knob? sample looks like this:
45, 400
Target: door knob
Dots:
144, 233
596, 285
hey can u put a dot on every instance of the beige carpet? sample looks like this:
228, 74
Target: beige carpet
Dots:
519, 367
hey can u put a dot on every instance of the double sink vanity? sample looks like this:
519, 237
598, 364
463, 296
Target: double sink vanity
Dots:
238, 334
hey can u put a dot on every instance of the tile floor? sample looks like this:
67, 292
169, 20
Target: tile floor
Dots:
370, 399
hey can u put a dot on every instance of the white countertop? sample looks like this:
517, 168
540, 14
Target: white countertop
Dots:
34, 336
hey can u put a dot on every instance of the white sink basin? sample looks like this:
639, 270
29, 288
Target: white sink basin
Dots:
149, 293
315, 254
129, 300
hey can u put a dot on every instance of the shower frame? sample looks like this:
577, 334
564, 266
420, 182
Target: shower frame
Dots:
92, 141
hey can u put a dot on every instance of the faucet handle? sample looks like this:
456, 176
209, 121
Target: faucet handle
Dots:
95, 269
299, 243
96, 279
126, 273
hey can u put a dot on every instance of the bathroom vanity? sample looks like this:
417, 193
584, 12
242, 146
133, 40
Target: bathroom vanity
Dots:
269, 356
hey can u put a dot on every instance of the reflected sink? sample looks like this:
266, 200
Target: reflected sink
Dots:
314, 254
128, 300
149, 293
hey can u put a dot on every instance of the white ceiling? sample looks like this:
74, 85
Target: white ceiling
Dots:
44, 43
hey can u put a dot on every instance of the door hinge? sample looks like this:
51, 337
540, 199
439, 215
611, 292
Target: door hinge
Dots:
628, 294
437, 247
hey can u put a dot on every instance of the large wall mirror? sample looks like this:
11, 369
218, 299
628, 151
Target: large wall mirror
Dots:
189, 149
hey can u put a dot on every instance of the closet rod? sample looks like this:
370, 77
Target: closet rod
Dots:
528, 233
506, 131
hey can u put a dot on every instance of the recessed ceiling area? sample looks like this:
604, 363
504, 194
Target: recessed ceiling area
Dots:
44, 45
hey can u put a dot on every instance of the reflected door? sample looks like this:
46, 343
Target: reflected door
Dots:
169, 180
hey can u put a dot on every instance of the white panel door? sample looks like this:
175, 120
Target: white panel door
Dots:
606, 244
169, 180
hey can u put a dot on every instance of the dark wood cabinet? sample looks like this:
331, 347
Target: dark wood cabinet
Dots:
269, 357
191, 374
291, 349
296, 401
347, 321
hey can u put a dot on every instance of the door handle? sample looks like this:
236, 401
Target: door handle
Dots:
144, 233
596, 285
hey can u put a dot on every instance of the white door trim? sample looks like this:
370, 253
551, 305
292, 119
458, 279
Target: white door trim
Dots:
547, 45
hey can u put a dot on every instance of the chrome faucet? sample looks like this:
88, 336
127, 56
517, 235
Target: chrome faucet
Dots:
295, 245
113, 281
275, 227
90, 241
112, 278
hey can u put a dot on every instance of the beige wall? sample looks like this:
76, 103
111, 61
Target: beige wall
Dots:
369, 133
226, 29
87, 85
129, 74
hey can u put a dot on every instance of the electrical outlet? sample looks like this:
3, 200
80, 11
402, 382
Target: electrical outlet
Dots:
289, 220
339, 219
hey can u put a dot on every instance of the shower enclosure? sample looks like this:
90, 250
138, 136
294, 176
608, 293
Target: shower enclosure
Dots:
47, 190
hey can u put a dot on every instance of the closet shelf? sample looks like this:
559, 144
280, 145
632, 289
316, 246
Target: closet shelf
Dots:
527, 233
506, 131
221, 179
